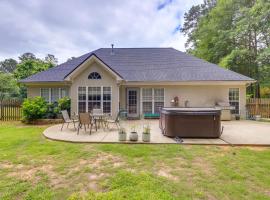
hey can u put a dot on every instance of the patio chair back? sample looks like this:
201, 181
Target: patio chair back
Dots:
97, 111
120, 112
85, 118
65, 115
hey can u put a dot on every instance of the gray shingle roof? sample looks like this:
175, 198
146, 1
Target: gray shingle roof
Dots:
146, 64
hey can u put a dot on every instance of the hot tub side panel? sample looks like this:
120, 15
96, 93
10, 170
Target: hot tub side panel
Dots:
191, 125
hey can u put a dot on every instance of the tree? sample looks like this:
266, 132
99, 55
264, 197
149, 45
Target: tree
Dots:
8, 65
234, 34
192, 18
51, 59
8, 86
11, 71
27, 56
71, 58
29, 67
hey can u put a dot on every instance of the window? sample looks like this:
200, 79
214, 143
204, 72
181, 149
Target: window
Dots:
54, 94
152, 100
94, 75
147, 100
107, 100
82, 99
45, 94
94, 98
158, 99
63, 92
234, 99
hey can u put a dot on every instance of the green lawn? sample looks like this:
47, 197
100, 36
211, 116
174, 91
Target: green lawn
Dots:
32, 167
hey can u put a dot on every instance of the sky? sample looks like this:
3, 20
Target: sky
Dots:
67, 28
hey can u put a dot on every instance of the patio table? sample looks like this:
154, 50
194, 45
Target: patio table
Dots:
100, 118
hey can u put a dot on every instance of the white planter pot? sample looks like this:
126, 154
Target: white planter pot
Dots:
257, 117
146, 137
133, 136
122, 136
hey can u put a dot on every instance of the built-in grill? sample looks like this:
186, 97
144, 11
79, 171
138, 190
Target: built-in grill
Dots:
225, 108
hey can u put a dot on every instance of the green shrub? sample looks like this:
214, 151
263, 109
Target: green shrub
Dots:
52, 111
265, 92
34, 108
64, 104
38, 108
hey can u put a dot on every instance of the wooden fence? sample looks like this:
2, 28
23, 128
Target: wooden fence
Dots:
10, 110
258, 107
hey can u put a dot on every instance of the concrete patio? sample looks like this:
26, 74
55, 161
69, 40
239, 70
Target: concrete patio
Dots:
243, 132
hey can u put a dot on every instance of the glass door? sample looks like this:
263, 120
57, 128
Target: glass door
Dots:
133, 102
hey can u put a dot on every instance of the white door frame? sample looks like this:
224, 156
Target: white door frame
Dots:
137, 114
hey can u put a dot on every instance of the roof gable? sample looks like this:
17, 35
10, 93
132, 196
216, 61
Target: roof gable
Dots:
90, 59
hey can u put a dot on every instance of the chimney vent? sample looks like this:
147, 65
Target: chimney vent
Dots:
112, 52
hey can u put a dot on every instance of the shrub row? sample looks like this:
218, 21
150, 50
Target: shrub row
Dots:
37, 108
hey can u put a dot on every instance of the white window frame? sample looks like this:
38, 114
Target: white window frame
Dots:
50, 93
152, 98
86, 102
94, 77
86, 96
110, 113
146, 101
94, 92
235, 101
154, 101
60, 92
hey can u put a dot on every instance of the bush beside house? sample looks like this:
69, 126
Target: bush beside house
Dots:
36, 110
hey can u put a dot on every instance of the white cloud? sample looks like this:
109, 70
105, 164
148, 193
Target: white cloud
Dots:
72, 28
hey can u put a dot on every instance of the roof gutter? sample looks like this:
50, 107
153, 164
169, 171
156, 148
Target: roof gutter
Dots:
214, 82
33, 83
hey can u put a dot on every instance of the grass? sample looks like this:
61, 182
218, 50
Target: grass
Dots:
35, 168
265, 120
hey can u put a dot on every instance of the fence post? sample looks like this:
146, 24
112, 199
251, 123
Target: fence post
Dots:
256, 106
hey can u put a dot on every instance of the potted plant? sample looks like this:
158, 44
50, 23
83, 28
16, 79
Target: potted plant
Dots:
257, 117
237, 117
133, 134
146, 133
122, 134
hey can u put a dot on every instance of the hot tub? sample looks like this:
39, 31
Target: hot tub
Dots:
190, 122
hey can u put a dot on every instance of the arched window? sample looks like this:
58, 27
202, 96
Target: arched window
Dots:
94, 75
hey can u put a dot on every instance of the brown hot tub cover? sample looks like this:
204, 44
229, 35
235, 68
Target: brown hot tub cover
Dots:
190, 122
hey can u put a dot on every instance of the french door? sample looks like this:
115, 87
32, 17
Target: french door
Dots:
133, 102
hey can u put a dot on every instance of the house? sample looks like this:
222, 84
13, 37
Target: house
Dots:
140, 80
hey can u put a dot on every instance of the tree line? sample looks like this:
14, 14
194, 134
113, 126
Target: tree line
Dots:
11, 71
234, 34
